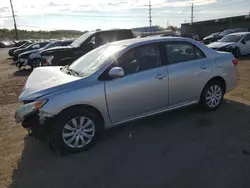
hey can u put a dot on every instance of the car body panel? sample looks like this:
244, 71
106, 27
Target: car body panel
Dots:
141, 93
217, 45
48, 78
187, 79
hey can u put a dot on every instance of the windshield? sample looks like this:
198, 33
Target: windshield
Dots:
29, 46
50, 45
226, 32
92, 61
231, 38
81, 39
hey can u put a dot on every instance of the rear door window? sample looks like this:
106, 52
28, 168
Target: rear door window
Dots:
182, 52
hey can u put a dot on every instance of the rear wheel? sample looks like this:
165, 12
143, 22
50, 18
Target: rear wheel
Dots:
75, 130
212, 95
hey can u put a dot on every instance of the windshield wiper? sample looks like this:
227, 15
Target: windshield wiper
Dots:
70, 71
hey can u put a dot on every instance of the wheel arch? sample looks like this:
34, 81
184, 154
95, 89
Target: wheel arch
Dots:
218, 79
85, 107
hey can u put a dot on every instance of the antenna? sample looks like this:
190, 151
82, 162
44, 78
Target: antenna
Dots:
14, 19
150, 16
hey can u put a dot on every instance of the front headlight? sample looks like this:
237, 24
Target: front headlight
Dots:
48, 59
29, 109
225, 48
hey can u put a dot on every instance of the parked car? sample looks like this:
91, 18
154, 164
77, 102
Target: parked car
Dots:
18, 43
24, 45
32, 46
211, 38
33, 58
229, 31
87, 42
191, 36
236, 43
6, 44
120, 82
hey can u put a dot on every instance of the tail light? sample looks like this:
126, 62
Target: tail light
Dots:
235, 61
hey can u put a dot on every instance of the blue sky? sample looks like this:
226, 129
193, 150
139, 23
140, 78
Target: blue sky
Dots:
106, 14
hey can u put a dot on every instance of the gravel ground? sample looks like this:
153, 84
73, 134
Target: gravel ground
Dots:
184, 148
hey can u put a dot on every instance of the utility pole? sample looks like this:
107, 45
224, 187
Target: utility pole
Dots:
14, 19
192, 13
150, 17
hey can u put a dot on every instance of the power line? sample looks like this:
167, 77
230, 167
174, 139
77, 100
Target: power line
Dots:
14, 19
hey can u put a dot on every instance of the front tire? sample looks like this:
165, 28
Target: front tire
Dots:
212, 95
75, 130
237, 53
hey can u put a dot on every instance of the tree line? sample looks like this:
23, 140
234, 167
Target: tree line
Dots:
9, 34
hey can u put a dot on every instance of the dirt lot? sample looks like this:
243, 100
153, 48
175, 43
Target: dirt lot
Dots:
185, 148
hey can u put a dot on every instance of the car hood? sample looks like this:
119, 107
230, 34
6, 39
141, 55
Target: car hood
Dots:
211, 36
217, 45
46, 80
55, 49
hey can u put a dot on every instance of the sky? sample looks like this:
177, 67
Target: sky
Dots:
106, 14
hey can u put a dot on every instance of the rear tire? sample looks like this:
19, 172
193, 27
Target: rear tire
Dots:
75, 130
212, 95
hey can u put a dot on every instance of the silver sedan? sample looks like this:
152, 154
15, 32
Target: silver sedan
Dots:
121, 82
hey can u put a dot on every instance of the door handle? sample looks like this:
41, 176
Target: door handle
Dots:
160, 76
204, 66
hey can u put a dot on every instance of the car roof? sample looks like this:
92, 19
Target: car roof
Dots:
240, 33
147, 40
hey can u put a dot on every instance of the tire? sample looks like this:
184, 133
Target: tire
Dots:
68, 129
212, 95
237, 53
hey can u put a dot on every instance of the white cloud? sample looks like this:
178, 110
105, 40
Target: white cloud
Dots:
34, 7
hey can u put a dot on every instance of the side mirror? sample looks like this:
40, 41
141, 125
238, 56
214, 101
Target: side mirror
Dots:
116, 72
243, 42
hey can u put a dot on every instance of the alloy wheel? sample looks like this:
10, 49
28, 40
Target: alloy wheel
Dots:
213, 96
78, 132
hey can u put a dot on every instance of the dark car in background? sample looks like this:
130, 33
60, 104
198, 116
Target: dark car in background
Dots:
229, 31
33, 56
190, 35
32, 46
211, 38
88, 41
24, 45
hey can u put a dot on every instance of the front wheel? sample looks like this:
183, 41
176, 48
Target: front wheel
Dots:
212, 95
75, 130
237, 53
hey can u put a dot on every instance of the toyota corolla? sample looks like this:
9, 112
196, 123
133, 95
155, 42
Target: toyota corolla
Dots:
120, 82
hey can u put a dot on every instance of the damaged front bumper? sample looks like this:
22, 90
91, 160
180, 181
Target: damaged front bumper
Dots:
36, 122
